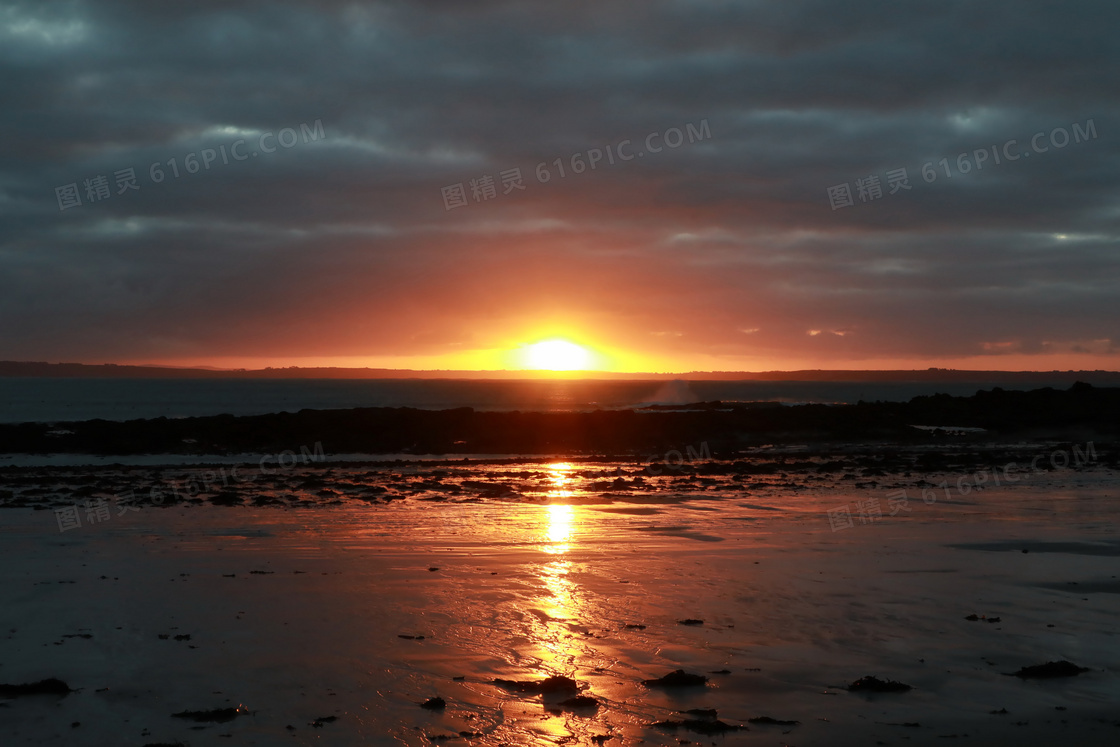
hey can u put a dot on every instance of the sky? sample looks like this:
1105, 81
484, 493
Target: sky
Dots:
408, 184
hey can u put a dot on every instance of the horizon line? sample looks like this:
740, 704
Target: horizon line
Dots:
530, 372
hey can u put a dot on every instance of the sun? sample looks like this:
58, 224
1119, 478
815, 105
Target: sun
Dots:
557, 355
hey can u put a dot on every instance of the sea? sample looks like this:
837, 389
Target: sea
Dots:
51, 400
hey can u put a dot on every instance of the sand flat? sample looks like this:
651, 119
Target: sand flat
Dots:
298, 615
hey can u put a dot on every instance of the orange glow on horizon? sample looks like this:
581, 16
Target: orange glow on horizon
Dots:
508, 359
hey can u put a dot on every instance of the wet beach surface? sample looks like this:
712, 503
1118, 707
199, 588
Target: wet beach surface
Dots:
328, 603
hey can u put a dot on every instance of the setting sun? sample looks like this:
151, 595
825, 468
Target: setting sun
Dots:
557, 355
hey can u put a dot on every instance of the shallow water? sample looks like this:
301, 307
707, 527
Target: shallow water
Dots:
297, 613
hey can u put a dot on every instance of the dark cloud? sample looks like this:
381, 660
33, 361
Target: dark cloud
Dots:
342, 246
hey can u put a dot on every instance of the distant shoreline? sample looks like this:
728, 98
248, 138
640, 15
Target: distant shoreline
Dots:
1081, 412
19, 369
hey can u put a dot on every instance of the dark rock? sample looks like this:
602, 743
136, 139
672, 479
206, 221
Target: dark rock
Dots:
771, 721
434, 704
552, 686
677, 678
579, 701
690, 621
985, 618
217, 716
227, 498
318, 723
876, 685
699, 726
1050, 670
52, 686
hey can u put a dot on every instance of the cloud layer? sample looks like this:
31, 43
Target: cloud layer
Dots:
332, 239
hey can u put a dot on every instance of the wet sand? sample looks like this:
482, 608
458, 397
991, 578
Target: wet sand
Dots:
304, 615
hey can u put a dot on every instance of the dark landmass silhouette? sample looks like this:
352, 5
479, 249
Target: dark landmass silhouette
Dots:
1078, 412
11, 369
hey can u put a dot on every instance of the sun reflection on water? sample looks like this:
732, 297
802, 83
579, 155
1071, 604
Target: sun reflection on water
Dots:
558, 643
560, 515
561, 479
559, 529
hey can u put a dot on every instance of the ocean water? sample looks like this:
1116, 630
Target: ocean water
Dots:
55, 400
